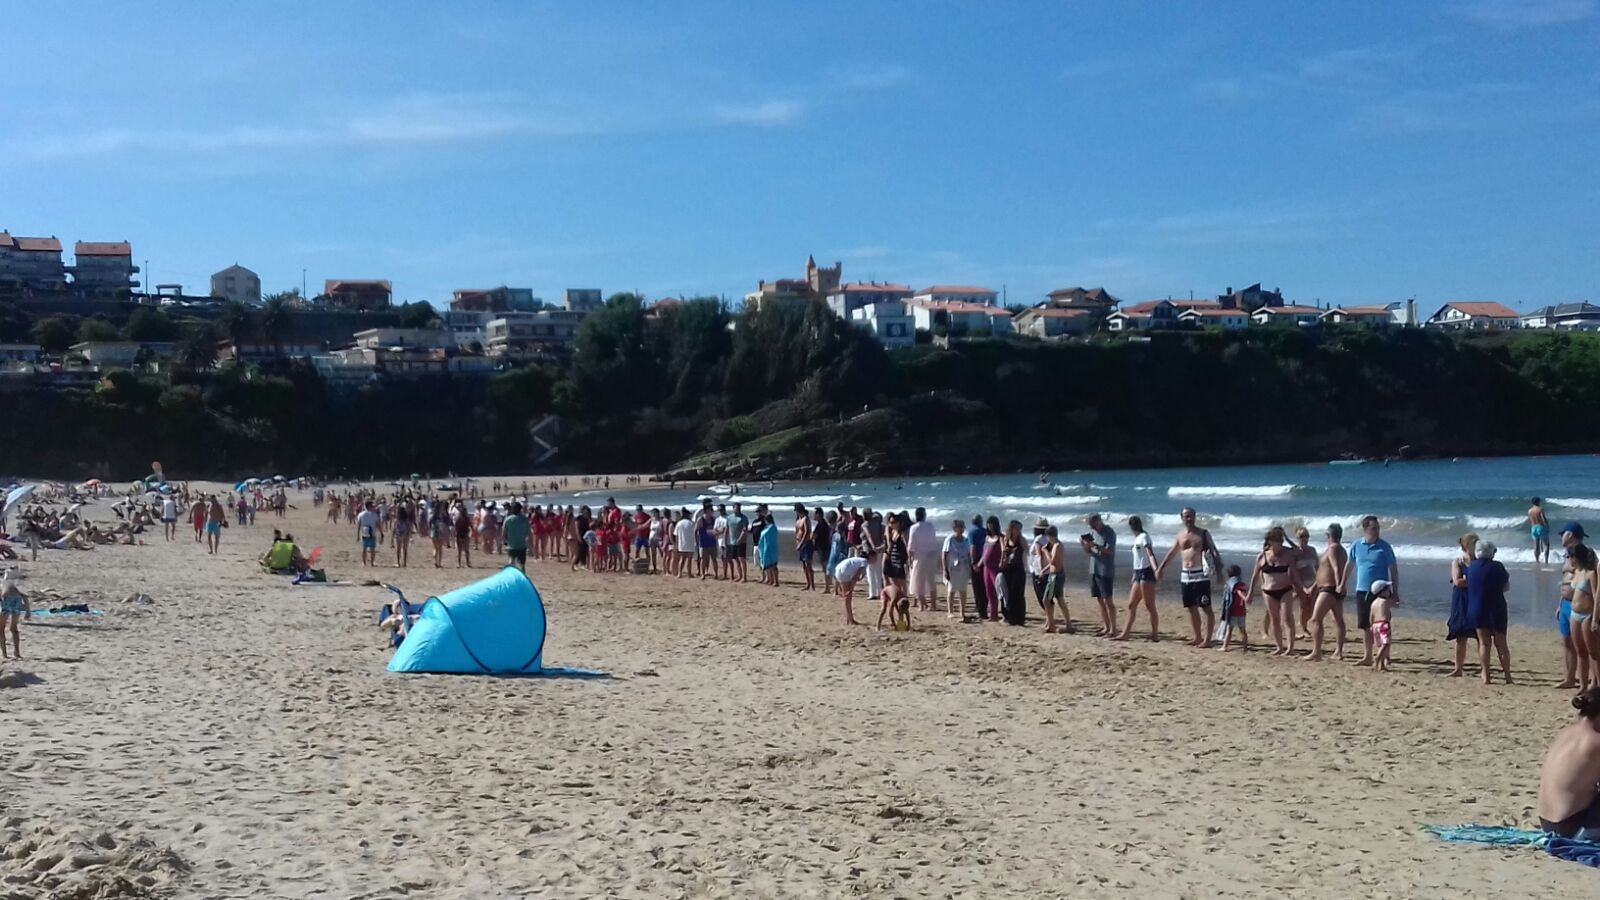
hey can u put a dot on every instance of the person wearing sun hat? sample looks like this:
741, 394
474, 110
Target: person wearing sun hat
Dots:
1041, 530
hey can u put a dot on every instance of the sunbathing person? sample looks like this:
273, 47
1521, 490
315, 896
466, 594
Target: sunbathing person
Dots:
1569, 798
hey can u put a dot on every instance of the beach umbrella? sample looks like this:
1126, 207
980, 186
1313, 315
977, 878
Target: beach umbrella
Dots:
14, 497
239, 488
93, 482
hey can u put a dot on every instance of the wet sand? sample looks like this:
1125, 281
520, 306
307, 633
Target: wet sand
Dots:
239, 737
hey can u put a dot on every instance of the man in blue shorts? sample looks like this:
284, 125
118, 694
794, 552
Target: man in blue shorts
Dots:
1539, 530
1372, 559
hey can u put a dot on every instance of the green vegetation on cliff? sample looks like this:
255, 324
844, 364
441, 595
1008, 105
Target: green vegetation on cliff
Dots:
791, 389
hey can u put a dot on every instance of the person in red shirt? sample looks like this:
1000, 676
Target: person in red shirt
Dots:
1238, 602
641, 532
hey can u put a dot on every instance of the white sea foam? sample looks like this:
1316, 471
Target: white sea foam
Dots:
784, 499
1496, 522
1045, 502
1575, 502
1231, 490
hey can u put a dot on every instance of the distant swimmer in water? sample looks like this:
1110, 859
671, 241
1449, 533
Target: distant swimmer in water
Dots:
1044, 477
1539, 529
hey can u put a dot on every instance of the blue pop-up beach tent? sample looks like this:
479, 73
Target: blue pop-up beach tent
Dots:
494, 626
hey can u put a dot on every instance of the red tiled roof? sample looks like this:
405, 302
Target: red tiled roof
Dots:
87, 248
952, 305
6, 240
865, 288
45, 245
337, 284
956, 289
1289, 310
1487, 310
1145, 308
1213, 312
1055, 313
1098, 294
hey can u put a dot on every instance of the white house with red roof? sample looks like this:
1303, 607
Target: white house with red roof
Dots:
1046, 321
957, 318
1208, 317
957, 293
847, 298
1474, 315
1287, 315
1374, 316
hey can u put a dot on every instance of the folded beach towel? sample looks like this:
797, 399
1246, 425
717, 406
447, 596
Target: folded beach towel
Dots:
69, 611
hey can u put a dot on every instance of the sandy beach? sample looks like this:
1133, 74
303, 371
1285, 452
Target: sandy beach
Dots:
239, 737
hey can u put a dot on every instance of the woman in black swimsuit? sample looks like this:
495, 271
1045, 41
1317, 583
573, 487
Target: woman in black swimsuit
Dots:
1274, 573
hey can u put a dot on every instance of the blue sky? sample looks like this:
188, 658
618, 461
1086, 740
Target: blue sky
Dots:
1347, 152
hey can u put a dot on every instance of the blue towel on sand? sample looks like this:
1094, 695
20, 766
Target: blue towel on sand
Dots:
1585, 852
1489, 835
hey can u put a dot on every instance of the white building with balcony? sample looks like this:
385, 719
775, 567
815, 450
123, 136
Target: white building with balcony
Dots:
889, 323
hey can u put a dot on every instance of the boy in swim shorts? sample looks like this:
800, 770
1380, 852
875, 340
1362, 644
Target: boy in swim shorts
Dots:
1383, 603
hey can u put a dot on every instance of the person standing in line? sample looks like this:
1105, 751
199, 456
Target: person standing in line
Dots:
1487, 583
803, 547
1539, 530
1459, 627
922, 541
1142, 591
1572, 538
1273, 574
1035, 575
1305, 579
1052, 563
767, 547
739, 543
1199, 559
686, 544
1328, 592
1101, 545
706, 541
993, 582
894, 564
955, 560
1014, 568
516, 529
719, 528
1371, 559
838, 545
821, 544
977, 538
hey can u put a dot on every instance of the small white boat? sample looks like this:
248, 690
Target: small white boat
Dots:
1347, 462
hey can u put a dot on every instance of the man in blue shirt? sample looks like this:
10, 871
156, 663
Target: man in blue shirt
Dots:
976, 535
1371, 559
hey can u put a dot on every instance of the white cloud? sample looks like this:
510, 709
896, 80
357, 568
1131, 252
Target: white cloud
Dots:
770, 113
1518, 14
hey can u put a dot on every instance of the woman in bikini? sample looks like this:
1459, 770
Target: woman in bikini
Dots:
1305, 577
1585, 638
1273, 574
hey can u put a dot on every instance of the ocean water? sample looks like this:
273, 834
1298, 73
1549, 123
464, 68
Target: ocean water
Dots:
1424, 507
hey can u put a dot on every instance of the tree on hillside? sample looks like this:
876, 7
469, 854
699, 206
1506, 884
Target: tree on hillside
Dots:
15, 325
237, 322
54, 334
97, 330
609, 361
277, 317
419, 314
151, 325
199, 351
292, 297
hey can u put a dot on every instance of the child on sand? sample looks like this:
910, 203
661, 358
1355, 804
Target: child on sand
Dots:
14, 606
897, 606
1383, 603
1238, 602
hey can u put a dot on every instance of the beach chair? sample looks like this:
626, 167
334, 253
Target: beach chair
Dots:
400, 608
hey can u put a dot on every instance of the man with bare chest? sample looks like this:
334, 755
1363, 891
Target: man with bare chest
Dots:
1195, 548
1327, 594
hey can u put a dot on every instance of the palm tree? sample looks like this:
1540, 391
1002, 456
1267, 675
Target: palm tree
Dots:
276, 317
199, 351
